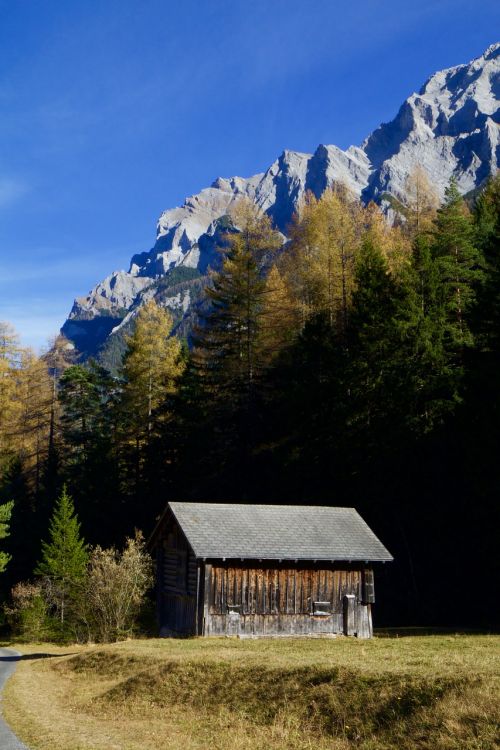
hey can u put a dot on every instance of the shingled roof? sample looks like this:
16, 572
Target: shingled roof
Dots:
277, 532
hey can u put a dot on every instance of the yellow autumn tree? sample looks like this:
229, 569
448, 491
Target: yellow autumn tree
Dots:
280, 317
391, 241
325, 240
33, 428
10, 405
422, 202
152, 365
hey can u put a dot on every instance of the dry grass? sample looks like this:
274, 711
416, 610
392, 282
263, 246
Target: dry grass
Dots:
439, 692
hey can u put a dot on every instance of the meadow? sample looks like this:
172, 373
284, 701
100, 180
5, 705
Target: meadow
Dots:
438, 691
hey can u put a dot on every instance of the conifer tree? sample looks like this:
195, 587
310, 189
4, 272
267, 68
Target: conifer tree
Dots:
228, 344
5, 515
487, 234
152, 364
10, 406
376, 343
422, 202
460, 266
280, 319
325, 240
64, 555
34, 392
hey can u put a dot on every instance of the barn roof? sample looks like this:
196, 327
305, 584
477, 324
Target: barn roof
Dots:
277, 532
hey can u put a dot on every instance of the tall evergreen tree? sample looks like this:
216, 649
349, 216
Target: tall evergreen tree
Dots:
460, 265
377, 343
228, 344
231, 350
64, 555
5, 515
487, 234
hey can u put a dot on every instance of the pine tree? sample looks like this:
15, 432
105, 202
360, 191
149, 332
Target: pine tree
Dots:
376, 344
5, 515
233, 345
460, 264
64, 556
487, 234
228, 350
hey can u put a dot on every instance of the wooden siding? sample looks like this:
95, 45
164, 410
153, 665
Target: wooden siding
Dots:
241, 600
178, 585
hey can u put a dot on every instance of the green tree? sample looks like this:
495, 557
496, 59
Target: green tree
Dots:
88, 420
5, 515
233, 345
229, 349
376, 346
460, 265
64, 556
487, 233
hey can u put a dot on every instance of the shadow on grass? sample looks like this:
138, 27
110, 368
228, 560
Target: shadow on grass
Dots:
420, 631
30, 657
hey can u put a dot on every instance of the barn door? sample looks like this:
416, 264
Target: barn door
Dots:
233, 621
349, 614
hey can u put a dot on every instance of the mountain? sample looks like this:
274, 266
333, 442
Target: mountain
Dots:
450, 128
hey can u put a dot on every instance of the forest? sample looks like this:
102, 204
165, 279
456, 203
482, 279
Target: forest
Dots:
355, 365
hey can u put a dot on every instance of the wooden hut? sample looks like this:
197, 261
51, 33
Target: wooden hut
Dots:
264, 570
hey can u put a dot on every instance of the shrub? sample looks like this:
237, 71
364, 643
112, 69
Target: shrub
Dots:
27, 613
114, 590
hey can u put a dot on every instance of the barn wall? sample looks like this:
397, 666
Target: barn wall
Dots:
241, 600
177, 576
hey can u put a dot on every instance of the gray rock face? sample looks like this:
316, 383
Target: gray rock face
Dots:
450, 128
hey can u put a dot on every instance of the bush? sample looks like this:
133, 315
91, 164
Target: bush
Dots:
114, 590
28, 612
106, 605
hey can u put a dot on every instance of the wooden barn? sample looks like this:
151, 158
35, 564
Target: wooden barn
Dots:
264, 570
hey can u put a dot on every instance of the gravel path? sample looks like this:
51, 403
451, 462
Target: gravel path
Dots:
8, 659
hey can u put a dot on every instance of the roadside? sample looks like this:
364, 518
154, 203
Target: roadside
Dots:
8, 661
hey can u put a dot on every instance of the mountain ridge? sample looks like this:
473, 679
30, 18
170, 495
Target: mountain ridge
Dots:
450, 128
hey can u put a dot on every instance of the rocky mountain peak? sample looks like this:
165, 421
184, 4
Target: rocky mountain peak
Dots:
450, 128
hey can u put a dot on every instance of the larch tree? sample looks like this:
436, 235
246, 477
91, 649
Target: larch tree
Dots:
10, 405
422, 202
280, 318
325, 240
34, 423
152, 365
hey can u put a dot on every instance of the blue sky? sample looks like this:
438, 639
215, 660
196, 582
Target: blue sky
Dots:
113, 110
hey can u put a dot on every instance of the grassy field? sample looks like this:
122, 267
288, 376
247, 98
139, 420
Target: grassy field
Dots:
440, 692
